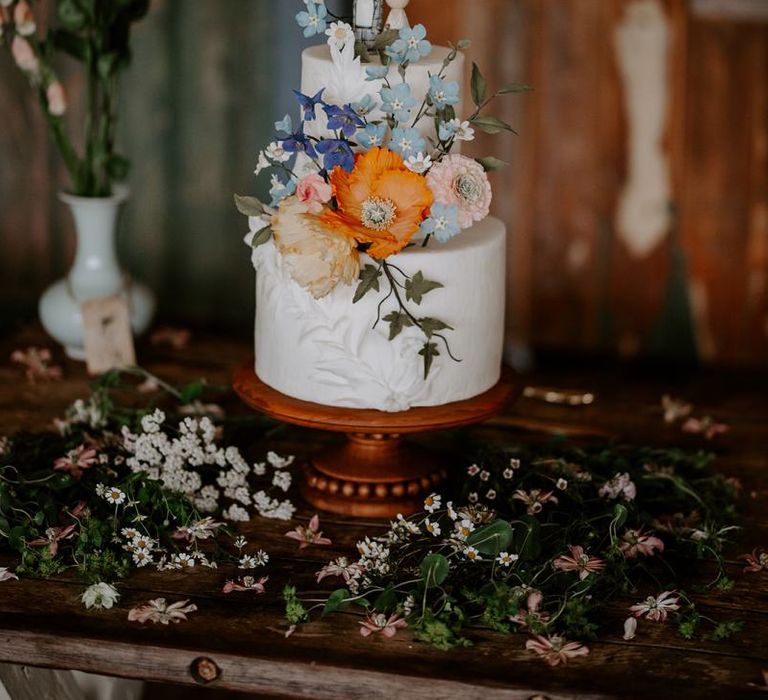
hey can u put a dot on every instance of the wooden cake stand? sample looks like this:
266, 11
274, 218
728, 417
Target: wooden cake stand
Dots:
374, 473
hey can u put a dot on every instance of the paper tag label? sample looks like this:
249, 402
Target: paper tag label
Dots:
107, 332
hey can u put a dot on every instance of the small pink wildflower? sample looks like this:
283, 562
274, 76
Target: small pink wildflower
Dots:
158, 610
534, 499
339, 567
634, 542
311, 534
656, 608
532, 614
556, 650
756, 561
378, 622
579, 561
705, 426
37, 364
202, 529
247, 583
54, 535
619, 485
76, 461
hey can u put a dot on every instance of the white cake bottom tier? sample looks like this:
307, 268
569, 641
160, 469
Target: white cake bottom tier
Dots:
327, 351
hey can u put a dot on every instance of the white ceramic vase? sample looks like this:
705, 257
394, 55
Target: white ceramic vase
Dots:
95, 273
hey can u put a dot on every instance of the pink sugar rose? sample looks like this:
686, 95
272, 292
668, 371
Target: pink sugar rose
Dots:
462, 182
57, 100
24, 55
313, 191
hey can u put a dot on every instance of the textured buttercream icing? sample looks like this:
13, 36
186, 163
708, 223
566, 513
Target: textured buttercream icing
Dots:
326, 351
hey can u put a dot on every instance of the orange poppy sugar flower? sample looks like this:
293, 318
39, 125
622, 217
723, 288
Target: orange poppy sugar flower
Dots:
380, 202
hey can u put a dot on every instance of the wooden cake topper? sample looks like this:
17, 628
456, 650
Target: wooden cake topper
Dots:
397, 19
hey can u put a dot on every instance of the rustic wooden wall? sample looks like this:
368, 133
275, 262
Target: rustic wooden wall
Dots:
688, 277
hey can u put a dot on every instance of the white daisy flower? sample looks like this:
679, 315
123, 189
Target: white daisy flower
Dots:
419, 163
507, 559
129, 532
432, 502
142, 557
184, 561
472, 554
339, 33
432, 528
114, 495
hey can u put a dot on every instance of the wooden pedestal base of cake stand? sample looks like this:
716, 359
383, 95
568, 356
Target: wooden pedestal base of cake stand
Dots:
375, 473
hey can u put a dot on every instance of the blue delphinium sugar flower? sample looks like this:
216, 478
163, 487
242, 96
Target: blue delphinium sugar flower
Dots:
442, 222
407, 142
313, 19
364, 107
343, 118
285, 125
398, 101
308, 103
372, 135
280, 190
442, 93
411, 46
336, 152
376, 72
298, 141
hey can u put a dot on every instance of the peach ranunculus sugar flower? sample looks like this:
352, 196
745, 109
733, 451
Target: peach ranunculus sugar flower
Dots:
317, 257
313, 191
462, 182
380, 202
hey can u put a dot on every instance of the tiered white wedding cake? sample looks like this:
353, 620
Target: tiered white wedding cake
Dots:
380, 276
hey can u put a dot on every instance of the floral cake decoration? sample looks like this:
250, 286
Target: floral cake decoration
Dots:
355, 175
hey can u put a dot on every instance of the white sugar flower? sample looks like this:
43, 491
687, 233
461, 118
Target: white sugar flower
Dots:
462, 129
114, 495
100, 596
339, 33
432, 528
276, 152
432, 502
419, 163
507, 559
472, 554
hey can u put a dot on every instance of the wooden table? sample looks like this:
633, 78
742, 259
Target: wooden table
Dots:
42, 623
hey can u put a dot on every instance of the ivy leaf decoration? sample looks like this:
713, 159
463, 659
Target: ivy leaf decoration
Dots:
492, 125
417, 287
261, 236
479, 86
430, 326
513, 88
369, 280
335, 601
397, 320
490, 163
434, 570
429, 352
250, 206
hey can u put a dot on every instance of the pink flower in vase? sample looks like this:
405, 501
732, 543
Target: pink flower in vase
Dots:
308, 535
24, 55
24, 19
313, 191
57, 99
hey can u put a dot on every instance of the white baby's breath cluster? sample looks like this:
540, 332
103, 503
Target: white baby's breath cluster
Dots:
178, 459
87, 412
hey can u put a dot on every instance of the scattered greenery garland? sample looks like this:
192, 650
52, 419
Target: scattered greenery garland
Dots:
544, 538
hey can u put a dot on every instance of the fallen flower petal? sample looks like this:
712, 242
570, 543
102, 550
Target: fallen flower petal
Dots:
249, 583
378, 622
101, 596
556, 650
756, 561
706, 426
158, 610
7, 575
309, 535
630, 628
